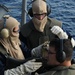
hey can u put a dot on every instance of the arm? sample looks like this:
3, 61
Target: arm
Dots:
26, 68
61, 34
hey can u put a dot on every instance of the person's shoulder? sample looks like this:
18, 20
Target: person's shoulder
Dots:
26, 29
55, 22
26, 25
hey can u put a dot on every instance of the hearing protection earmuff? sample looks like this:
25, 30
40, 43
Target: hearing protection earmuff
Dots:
48, 9
5, 32
60, 54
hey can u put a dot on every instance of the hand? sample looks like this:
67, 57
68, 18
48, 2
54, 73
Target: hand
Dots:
59, 32
36, 52
32, 65
25, 69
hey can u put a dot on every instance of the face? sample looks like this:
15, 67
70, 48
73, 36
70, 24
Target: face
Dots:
51, 58
40, 16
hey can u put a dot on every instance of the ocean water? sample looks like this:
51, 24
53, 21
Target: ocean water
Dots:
62, 10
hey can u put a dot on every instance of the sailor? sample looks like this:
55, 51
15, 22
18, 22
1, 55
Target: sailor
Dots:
9, 37
3, 11
59, 58
37, 30
9, 40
